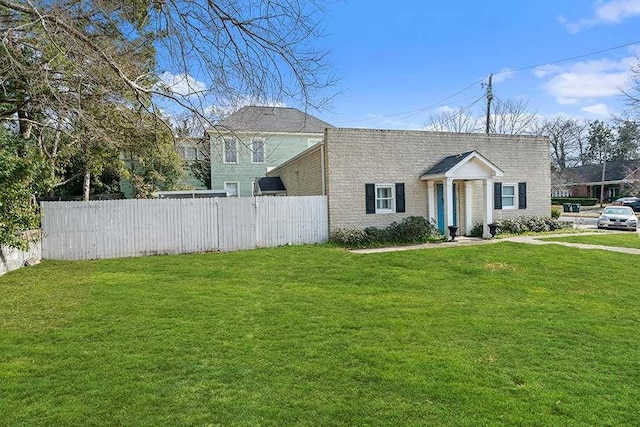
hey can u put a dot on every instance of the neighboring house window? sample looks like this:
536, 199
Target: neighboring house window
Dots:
232, 188
230, 150
257, 150
510, 196
384, 198
189, 153
313, 141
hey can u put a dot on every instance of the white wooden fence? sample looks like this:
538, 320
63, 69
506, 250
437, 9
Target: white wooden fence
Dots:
125, 228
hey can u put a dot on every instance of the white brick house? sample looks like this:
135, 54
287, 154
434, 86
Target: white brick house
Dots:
374, 177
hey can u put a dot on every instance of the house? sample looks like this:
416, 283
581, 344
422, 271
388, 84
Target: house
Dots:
586, 180
375, 177
254, 139
194, 152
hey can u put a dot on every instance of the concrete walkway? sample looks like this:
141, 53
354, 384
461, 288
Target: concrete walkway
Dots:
532, 240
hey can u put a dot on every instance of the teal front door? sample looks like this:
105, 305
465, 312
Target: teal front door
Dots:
440, 203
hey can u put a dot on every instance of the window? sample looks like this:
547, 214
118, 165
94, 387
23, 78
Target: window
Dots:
257, 150
189, 153
232, 188
508, 196
384, 198
230, 150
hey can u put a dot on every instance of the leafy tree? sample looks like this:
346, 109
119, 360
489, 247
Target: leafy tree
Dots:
627, 141
23, 173
600, 139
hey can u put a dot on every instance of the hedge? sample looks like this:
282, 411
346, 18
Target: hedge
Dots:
584, 201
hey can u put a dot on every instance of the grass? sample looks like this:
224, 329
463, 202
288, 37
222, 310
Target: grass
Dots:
624, 240
496, 334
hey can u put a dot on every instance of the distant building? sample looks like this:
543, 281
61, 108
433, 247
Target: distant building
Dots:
254, 139
586, 181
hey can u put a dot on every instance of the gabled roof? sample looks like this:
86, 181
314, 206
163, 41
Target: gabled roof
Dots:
273, 120
469, 164
615, 171
271, 185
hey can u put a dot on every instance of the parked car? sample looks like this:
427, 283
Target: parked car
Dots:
633, 204
621, 201
621, 217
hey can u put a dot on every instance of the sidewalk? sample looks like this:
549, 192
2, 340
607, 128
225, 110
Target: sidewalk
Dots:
531, 240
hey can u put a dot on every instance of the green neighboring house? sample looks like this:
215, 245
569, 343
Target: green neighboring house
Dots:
253, 140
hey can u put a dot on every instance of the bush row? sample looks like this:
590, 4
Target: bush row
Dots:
413, 229
523, 224
585, 201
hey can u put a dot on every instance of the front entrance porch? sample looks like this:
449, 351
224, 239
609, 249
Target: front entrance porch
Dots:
463, 180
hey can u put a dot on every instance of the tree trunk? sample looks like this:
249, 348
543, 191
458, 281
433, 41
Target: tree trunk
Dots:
86, 185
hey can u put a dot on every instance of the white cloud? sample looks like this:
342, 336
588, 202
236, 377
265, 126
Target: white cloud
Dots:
600, 109
586, 80
445, 109
605, 12
182, 84
503, 75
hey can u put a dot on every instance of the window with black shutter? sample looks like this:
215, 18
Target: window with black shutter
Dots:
400, 207
522, 195
497, 195
370, 198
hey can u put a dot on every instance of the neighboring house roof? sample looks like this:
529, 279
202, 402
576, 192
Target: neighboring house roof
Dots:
456, 164
271, 185
272, 119
615, 171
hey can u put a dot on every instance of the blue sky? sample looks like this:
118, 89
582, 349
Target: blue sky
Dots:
397, 59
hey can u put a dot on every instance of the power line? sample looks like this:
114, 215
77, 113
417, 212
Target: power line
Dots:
570, 58
411, 113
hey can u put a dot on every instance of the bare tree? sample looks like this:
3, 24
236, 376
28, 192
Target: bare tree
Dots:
567, 139
69, 62
459, 120
512, 117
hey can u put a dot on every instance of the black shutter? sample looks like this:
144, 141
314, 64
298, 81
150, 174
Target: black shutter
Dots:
522, 195
370, 198
497, 195
400, 197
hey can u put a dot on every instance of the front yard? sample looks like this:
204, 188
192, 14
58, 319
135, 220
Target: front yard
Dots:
477, 335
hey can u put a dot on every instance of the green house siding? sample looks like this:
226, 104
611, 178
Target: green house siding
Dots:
278, 149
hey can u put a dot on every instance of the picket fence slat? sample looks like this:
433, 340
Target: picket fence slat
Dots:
127, 228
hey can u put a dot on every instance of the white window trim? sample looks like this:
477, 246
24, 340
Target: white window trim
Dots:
515, 196
224, 150
393, 199
253, 151
237, 187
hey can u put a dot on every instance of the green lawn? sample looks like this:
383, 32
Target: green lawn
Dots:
625, 240
501, 334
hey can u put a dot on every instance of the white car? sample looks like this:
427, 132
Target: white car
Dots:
621, 217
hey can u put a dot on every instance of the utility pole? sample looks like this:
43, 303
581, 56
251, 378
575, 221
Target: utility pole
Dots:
489, 98
604, 169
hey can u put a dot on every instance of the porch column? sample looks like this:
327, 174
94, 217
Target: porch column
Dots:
468, 220
488, 202
431, 200
448, 206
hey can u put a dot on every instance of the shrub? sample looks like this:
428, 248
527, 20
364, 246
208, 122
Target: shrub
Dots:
523, 224
413, 229
555, 212
477, 230
349, 237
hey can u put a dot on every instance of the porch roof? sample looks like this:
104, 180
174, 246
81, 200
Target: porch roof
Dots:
468, 165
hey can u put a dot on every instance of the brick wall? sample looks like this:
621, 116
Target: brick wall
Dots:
355, 157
